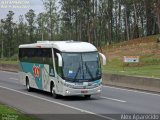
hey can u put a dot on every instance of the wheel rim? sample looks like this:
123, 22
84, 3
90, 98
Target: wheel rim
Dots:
53, 91
28, 87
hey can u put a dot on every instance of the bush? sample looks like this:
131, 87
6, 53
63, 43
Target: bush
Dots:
151, 61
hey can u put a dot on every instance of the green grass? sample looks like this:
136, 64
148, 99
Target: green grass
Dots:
10, 113
146, 48
8, 62
117, 67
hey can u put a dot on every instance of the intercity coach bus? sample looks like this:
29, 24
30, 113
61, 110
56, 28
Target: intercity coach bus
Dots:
61, 67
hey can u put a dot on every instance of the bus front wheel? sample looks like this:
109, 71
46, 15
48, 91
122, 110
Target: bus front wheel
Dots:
28, 85
53, 92
87, 96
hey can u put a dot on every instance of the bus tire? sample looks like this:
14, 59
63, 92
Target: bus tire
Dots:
87, 96
28, 85
53, 92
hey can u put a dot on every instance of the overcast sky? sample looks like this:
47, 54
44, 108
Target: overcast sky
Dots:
19, 7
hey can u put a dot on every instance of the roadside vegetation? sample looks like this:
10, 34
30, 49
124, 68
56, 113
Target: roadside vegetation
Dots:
9, 60
146, 48
5, 61
7, 113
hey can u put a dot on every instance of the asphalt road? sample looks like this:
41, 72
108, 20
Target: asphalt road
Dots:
113, 103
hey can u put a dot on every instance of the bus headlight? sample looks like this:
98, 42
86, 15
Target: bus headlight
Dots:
68, 92
99, 90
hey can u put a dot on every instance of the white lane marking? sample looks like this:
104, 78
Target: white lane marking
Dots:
58, 103
113, 99
14, 79
136, 91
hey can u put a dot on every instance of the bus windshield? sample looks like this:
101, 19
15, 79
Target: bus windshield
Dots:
81, 66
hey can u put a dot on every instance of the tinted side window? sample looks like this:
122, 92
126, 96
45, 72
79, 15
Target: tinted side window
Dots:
36, 55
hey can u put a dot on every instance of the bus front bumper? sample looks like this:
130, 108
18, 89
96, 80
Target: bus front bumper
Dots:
67, 91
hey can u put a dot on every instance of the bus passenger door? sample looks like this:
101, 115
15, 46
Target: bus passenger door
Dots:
58, 72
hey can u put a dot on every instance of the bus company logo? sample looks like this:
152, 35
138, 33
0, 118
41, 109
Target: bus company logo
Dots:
36, 71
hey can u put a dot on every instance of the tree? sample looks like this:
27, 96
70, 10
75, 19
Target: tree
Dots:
21, 24
30, 17
149, 16
157, 9
8, 34
42, 21
1, 38
51, 14
99, 22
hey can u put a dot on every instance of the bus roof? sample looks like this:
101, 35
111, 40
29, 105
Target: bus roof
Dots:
64, 46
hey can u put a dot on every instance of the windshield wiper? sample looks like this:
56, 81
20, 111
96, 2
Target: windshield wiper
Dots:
77, 73
89, 71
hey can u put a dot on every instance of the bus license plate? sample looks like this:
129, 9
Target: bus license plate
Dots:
84, 91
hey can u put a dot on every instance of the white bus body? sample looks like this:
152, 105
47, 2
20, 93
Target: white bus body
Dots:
61, 67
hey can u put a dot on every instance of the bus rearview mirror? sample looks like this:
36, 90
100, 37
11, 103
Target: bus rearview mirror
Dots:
59, 59
103, 58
